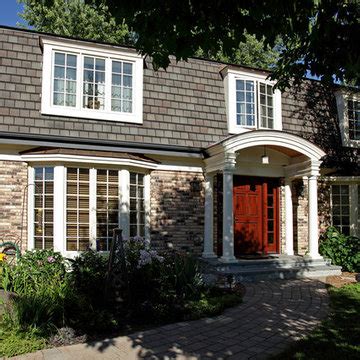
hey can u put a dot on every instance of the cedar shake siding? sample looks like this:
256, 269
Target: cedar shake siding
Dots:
182, 106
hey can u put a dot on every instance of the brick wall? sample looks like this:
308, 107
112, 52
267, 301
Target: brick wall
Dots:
13, 202
177, 210
324, 194
300, 216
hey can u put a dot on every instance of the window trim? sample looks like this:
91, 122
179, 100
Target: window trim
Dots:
230, 77
94, 50
342, 98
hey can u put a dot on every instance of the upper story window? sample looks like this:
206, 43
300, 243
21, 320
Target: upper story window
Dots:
348, 106
251, 102
354, 119
96, 82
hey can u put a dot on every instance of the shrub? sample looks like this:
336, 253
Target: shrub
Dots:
39, 289
341, 249
14, 343
34, 271
88, 275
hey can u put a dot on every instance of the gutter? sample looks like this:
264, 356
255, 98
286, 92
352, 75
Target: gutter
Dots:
105, 145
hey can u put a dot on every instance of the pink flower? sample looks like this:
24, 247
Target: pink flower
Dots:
51, 259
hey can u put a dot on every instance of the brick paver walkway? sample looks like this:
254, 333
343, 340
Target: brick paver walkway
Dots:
272, 315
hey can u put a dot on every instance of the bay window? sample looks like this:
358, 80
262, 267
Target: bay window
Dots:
91, 81
90, 202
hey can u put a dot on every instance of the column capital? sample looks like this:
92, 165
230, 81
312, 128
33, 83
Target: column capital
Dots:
229, 162
314, 168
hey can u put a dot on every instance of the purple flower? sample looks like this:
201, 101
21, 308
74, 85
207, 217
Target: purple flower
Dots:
51, 259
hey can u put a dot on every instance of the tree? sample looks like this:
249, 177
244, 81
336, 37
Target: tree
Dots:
319, 36
75, 18
252, 52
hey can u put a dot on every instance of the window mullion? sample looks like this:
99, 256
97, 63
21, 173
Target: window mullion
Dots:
79, 81
108, 70
257, 105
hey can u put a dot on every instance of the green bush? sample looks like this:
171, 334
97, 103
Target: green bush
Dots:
40, 292
341, 249
88, 276
15, 343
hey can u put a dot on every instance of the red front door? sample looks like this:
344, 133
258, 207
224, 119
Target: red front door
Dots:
255, 215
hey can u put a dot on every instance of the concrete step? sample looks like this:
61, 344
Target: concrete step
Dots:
269, 269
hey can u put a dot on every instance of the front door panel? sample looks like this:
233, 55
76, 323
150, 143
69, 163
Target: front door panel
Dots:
255, 215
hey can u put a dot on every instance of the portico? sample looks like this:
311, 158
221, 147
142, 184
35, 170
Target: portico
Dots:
239, 158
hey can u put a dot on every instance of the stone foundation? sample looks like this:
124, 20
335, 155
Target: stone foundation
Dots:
13, 202
177, 210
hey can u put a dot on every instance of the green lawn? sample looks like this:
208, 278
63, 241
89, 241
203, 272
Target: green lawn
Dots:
339, 336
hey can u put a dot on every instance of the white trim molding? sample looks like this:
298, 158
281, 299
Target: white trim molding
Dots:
80, 49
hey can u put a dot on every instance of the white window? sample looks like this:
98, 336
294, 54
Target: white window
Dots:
43, 223
137, 205
91, 81
354, 119
341, 208
251, 102
90, 202
348, 106
345, 200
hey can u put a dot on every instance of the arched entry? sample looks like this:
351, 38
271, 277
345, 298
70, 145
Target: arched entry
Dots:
250, 190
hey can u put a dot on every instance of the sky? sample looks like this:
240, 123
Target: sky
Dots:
8, 12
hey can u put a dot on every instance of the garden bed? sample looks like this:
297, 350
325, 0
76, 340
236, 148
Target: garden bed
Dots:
58, 302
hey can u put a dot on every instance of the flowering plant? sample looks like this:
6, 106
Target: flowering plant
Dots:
138, 253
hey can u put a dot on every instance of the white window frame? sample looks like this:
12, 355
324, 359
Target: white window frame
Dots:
342, 98
109, 53
60, 176
354, 185
230, 77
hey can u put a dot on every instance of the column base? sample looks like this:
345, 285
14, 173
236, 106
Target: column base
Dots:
228, 259
315, 256
208, 255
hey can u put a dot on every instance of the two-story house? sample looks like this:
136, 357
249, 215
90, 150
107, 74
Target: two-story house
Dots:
205, 156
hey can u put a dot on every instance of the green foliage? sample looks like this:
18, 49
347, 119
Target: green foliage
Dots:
341, 249
210, 305
338, 336
14, 343
75, 18
88, 275
250, 52
316, 34
48, 292
39, 288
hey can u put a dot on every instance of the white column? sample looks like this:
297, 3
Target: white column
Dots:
228, 216
289, 228
30, 212
313, 217
209, 218
59, 208
147, 197
124, 187
92, 206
